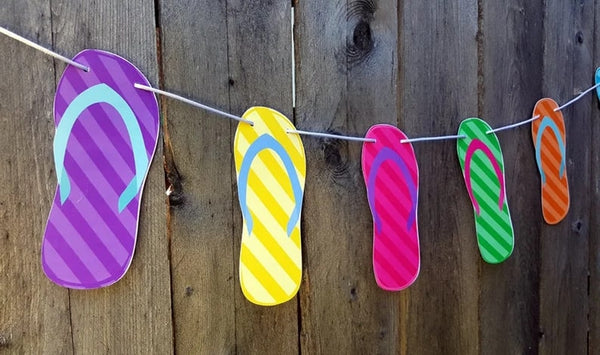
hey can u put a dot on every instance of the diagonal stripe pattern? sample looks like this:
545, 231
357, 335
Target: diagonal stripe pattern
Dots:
271, 171
549, 140
89, 239
391, 176
481, 153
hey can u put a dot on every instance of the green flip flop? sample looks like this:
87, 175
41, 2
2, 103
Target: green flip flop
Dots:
482, 164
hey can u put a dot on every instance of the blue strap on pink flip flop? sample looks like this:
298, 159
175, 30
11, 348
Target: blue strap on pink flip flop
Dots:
384, 155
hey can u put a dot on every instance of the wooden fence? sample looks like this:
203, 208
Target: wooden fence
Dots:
421, 65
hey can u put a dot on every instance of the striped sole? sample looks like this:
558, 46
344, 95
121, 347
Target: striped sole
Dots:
89, 242
271, 170
485, 183
549, 139
392, 178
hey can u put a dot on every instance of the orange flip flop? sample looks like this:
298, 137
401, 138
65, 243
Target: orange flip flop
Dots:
549, 139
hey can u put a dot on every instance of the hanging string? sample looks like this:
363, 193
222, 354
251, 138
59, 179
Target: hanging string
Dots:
334, 136
577, 98
514, 125
193, 103
429, 139
42, 49
240, 119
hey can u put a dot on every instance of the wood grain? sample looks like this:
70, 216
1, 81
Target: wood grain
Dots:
134, 315
34, 313
594, 234
568, 68
511, 52
439, 76
260, 70
199, 160
346, 64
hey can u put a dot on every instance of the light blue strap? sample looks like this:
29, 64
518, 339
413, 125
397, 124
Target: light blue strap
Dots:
268, 142
100, 93
547, 122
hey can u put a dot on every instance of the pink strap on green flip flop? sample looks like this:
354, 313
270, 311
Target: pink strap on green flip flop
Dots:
475, 145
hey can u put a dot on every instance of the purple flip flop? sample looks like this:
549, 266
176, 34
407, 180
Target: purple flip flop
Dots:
106, 135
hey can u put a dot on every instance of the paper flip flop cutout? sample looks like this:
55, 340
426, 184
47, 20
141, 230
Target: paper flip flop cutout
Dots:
271, 169
106, 134
549, 139
481, 161
392, 178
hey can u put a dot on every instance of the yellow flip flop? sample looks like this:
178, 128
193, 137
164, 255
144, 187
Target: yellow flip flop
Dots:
271, 169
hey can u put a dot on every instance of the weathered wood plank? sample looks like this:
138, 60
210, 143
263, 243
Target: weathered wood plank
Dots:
512, 57
260, 69
199, 160
439, 67
34, 313
346, 64
134, 315
594, 190
568, 63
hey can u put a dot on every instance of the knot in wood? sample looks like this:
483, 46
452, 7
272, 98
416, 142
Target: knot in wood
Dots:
332, 155
361, 37
4, 341
335, 159
360, 40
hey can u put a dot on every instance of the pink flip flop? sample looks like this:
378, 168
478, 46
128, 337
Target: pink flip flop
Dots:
392, 178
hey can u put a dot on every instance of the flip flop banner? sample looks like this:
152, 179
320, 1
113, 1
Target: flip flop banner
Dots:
106, 135
107, 132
